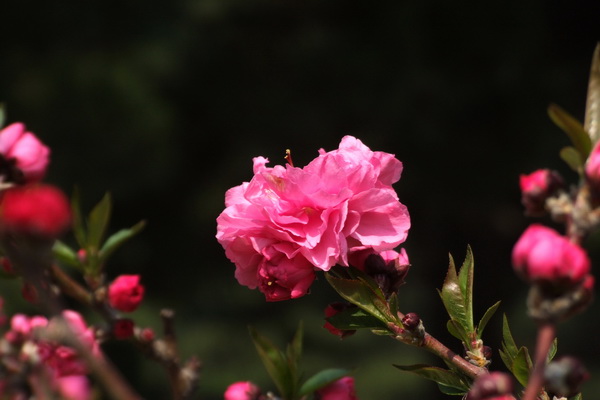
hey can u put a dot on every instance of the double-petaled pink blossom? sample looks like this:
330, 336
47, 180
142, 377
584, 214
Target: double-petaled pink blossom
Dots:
288, 221
25, 156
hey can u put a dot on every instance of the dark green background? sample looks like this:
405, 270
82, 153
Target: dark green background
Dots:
164, 103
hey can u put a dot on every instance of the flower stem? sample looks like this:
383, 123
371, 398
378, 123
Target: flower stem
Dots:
546, 335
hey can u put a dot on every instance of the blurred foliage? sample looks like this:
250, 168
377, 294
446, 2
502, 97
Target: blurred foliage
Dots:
164, 103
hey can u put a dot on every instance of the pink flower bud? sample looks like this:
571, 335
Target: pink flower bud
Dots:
242, 391
38, 210
592, 167
342, 389
542, 255
334, 309
537, 187
125, 293
492, 386
26, 158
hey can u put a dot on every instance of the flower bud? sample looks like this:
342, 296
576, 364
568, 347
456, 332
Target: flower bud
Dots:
411, 321
23, 157
334, 309
242, 391
123, 328
492, 386
536, 188
388, 268
563, 377
125, 293
543, 256
342, 389
40, 211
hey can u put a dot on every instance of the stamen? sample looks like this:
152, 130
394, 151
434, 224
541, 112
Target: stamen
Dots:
288, 157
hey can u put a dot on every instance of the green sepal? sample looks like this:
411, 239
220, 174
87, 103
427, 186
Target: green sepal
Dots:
573, 158
442, 376
322, 379
573, 128
66, 255
98, 223
486, 318
355, 318
276, 364
360, 291
117, 239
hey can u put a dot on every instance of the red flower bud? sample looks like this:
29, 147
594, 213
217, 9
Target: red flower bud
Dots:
40, 210
125, 293
123, 328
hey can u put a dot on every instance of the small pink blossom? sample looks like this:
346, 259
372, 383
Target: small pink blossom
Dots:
242, 391
25, 151
342, 389
542, 255
126, 293
37, 210
288, 221
537, 187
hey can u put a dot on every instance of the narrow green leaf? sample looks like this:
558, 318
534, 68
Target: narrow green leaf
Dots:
486, 318
442, 376
393, 303
573, 128
66, 255
508, 343
577, 397
356, 273
457, 331
552, 351
465, 281
294, 354
573, 158
117, 239
78, 226
98, 222
322, 379
521, 366
359, 293
450, 391
2, 115
355, 318
452, 297
275, 363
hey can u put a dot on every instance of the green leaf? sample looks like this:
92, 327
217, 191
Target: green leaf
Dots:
66, 255
275, 363
294, 353
322, 379
573, 158
573, 128
522, 366
465, 280
361, 294
457, 331
355, 318
2, 115
577, 397
552, 350
450, 391
78, 225
486, 318
508, 343
517, 360
117, 239
442, 376
453, 299
98, 222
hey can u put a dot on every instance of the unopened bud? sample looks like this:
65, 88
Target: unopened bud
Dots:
411, 321
564, 376
123, 328
491, 386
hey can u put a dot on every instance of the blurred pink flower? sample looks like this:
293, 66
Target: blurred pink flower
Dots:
342, 389
536, 188
26, 151
242, 391
74, 387
542, 255
126, 293
287, 221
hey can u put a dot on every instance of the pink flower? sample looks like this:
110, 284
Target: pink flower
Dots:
287, 221
125, 293
543, 255
38, 210
23, 150
242, 391
342, 389
537, 187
